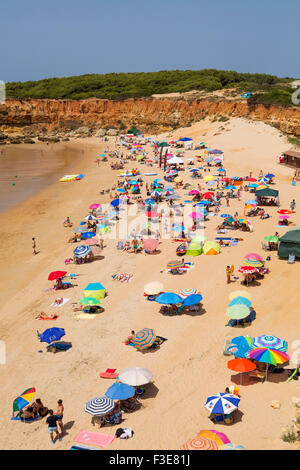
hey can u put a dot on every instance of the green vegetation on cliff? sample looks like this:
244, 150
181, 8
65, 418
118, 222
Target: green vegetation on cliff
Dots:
265, 88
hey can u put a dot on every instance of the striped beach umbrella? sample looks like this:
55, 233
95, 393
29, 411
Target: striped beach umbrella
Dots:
222, 403
175, 264
144, 338
24, 399
199, 443
218, 437
81, 251
186, 292
269, 356
99, 406
247, 270
240, 300
231, 446
254, 257
253, 263
269, 341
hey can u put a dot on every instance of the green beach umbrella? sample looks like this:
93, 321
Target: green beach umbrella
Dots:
238, 312
271, 238
91, 301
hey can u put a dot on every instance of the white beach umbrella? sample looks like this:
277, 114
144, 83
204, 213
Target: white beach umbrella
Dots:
153, 288
135, 376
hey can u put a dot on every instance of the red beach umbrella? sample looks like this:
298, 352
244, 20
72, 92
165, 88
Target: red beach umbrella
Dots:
56, 275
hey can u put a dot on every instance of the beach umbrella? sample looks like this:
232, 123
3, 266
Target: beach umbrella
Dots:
178, 179
79, 229
269, 356
253, 185
221, 170
121, 190
218, 437
86, 235
251, 202
186, 292
199, 443
196, 215
94, 206
135, 376
90, 301
184, 139
222, 403
241, 365
92, 242
253, 256
143, 338
52, 334
240, 346
24, 399
168, 298
208, 195
153, 288
263, 180
231, 446
56, 275
240, 293
270, 175
271, 238
209, 178
284, 211
194, 192
226, 216
120, 391
150, 202
238, 312
283, 217
90, 217
152, 215
247, 270
115, 202
269, 341
150, 244
81, 251
240, 301
155, 193
99, 406
192, 299
253, 263
175, 264
251, 179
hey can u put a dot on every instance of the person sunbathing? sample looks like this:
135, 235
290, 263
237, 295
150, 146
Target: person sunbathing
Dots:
27, 413
45, 316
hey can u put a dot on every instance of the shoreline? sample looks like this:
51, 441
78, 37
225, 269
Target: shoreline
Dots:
189, 366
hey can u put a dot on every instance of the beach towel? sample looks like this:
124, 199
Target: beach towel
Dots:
85, 316
28, 420
48, 318
94, 438
83, 448
65, 300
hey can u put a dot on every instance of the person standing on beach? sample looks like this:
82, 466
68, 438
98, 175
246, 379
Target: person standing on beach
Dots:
60, 415
228, 274
52, 426
34, 247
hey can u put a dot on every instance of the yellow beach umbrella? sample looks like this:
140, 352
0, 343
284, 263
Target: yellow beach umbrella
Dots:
209, 178
240, 293
178, 179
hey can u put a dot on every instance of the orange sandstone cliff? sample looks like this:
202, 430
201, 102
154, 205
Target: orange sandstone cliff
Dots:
151, 115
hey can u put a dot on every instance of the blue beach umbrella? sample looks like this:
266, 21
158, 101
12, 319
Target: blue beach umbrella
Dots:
87, 235
115, 202
120, 391
269, 175
251, 201
150, 202
52, 334
222, 403
269, 341
240, 346
121, 190
240, 300
81, 251
221, 170
168, 298
192, 299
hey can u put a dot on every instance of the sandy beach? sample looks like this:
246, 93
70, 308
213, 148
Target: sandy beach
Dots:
190, 365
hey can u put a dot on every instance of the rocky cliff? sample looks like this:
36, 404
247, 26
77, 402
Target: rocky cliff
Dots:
151, 115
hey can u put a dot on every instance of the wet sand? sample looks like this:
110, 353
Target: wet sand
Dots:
27, 169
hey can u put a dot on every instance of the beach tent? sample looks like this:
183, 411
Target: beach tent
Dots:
94, 289
289, 244
194, 249
211, 248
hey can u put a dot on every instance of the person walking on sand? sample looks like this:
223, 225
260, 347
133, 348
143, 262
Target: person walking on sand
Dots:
228, 274
52, 426
60, 415
34, 247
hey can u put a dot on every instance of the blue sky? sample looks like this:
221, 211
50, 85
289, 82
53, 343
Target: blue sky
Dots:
41, 39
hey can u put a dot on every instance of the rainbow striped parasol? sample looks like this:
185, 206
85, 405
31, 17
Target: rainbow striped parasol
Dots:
144, 338
269, 356
199, 443
24, 399
175, 264
218, 437
186, 292
253, 263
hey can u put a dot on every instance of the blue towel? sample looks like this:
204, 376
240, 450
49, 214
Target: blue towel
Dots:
27, 420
